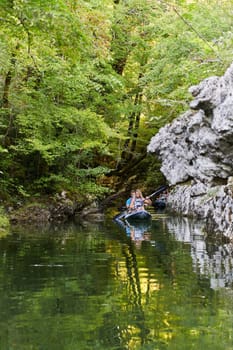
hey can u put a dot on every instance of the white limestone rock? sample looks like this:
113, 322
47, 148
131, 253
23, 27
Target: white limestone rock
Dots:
198, 147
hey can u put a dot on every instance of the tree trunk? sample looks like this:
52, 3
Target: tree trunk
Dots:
6, 87
136, 127
126, 153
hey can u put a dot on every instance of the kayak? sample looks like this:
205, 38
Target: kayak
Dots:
140, 214
137, 215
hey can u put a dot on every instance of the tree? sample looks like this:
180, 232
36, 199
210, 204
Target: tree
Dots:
48, 130
84, 85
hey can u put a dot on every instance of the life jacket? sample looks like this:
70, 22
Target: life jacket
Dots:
138, 203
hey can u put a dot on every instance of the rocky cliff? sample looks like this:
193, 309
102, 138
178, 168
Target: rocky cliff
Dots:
196, 151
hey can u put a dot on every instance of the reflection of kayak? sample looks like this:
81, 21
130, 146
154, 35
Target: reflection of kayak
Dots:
139, 226
135, 227
137, 215
138, 231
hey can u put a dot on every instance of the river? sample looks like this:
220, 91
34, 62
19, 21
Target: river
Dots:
83, 286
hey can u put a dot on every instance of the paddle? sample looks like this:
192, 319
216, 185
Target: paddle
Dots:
119, 216
158, 191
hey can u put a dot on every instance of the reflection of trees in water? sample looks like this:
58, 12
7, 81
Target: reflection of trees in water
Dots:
133, 274
135, 293
211, 257
128, 327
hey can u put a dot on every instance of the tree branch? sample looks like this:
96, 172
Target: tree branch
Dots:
193, 29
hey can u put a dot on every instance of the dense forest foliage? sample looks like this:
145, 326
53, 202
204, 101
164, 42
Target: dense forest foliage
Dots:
85, 84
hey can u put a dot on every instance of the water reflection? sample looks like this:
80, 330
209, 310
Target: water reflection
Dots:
211, 257
95, 287
138, 231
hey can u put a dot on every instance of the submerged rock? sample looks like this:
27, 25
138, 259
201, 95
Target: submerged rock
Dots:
196, 151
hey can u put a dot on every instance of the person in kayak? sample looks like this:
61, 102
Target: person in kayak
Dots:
138, 201
129, 200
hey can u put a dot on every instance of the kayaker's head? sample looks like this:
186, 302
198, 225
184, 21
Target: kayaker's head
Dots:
138, 193
132, 193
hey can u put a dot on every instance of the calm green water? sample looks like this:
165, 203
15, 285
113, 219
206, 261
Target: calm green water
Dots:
164, 286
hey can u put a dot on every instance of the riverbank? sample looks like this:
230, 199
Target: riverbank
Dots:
4, 223
61, 207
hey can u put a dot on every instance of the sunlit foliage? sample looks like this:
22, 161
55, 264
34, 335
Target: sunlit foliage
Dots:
85, 84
